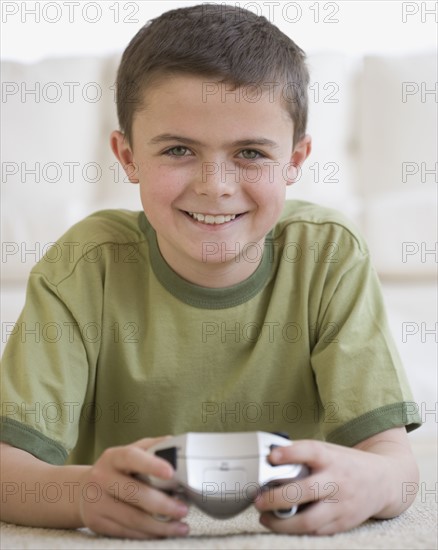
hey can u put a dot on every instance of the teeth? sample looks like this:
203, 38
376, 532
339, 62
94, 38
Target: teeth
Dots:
209, 219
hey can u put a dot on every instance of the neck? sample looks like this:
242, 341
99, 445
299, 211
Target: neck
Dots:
211, 274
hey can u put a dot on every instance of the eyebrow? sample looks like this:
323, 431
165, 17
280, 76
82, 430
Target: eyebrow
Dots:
238, 143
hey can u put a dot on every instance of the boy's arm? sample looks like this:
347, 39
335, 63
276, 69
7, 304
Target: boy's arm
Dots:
104, 497
347, 485
395, 445
37, 493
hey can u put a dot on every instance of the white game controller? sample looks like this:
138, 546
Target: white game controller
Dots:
222, 473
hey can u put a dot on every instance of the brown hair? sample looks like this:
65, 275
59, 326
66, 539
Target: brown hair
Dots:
227, 43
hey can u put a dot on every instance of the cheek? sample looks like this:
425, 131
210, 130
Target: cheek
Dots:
274, 172
160, 184
266, 185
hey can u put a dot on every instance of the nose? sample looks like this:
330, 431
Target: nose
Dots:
216, 179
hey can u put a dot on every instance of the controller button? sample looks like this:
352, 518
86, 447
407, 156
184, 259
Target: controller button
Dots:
168, 454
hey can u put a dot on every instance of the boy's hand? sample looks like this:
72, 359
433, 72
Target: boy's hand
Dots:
346, 486
126, 506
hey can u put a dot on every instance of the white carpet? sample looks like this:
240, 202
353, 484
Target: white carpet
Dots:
415, 529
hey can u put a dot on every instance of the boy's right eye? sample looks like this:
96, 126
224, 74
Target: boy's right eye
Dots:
178, 151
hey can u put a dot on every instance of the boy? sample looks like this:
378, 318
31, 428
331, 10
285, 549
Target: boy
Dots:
219, 307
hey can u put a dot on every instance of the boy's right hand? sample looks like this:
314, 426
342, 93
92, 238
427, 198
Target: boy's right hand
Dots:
116, 504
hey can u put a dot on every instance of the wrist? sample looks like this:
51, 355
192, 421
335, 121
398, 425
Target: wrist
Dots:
397, 471
80, 475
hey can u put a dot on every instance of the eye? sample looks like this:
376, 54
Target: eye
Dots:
251, 154
177, 151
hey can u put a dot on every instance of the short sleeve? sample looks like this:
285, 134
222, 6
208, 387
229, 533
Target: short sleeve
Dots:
360, 378
43, 376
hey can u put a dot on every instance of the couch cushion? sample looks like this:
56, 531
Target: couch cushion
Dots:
401, 231
52, 117
328, 176
398, 163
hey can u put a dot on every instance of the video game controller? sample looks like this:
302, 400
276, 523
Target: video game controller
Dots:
222, 473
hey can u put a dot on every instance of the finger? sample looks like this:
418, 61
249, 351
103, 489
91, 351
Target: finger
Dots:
132, 459
147, 442
338, 521
307, 490
307, 522
141, 521
315, 454
135, 524
133, 492
109, 528
158, 503
279, 497
132, 518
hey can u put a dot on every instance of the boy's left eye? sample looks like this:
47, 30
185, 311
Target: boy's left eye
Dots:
178, 151
250, 154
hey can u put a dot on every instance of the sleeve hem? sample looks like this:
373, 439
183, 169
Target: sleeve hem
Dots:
377, 421
28, 439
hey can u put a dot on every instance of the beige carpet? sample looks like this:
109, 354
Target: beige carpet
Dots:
416, 528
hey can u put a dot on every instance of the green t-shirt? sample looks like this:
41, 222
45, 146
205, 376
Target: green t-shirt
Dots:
113, 346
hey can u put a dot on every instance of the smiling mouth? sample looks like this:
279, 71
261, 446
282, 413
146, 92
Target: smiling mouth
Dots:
210, 219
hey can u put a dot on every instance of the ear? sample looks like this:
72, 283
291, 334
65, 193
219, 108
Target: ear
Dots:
124, 154
301, 151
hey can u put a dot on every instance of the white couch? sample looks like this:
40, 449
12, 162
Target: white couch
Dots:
373, 124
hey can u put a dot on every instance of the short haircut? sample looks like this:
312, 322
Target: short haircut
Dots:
220, 42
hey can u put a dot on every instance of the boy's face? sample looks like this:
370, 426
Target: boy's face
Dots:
213, 165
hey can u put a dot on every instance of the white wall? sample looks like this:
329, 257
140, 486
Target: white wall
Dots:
35, 30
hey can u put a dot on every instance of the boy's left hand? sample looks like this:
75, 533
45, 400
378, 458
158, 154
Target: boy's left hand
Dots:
346, 485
